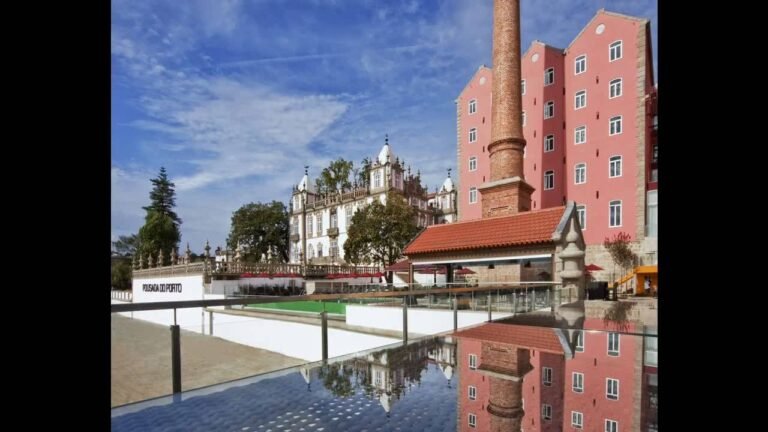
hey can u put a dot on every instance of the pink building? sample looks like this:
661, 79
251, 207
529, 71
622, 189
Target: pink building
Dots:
589, 120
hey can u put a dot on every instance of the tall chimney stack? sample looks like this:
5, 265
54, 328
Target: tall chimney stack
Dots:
507, 192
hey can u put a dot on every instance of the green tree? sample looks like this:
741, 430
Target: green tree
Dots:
126, 245
363, 179
163, 197
335, 177
379, 232
258, 228
121, 274
161, 224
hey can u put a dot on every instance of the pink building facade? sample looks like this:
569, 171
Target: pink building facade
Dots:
589, 115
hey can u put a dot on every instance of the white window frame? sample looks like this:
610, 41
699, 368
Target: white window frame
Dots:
377, 181
319, 224
577, 419
472, 392
581, 213
310, 223
524, 118
319, 249
549, 76
549, 109
580, 167
580, 338
580, 59
615, 88
473, 195
473, 163
472, 106
611, 425
473, 361
616, 47
472, 420
614, 166
546, 412
546, 376
615, 126
522, 84
473, 135
611, 220
551, 175
577, 378
580, 95
549, 143
612, 388
580, 132
348, 213
614, 344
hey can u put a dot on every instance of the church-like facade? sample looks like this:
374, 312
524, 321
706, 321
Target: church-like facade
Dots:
319, 222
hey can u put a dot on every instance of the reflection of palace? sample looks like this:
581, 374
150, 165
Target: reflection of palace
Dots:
525, 378
387, 375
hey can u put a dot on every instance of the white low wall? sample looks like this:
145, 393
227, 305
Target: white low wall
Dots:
172, 288
424, 321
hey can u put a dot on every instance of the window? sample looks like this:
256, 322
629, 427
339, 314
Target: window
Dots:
472, 392
614, 88
320, 224
473, 135
472, 195
348, 213
473, 163
580, 135
546, 412
310, 252
523, 118
333, 251
580, 64
294, 225
614, 166
309, 225
334, 220
473, 361
549, 109
580, 175
614, 51
549, 76
614, 214
579, 341
549, 180
611, 425
546, 376
615, 126
472, 420
577, 419
578, 382
473, 106
522, 86
580, 101
613, 344
549, 143
377, 178
612, 388
581, 212
319, 250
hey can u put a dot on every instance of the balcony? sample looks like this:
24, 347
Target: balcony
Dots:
333, 232
295, 237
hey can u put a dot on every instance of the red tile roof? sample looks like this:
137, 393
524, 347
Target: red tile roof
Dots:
540, 338
516, 230
400, 266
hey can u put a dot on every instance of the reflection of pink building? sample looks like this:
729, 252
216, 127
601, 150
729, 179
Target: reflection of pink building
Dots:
606, 384
589, 126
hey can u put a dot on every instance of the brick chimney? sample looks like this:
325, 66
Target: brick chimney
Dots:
507, 192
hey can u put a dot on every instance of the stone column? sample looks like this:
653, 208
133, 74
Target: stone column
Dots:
160, 260
174, 256
573, 263
507, 192
505, 366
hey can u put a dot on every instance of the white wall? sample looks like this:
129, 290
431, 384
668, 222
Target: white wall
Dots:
424, 321
191, 289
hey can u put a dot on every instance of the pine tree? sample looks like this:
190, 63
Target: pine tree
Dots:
163, 197
161, 224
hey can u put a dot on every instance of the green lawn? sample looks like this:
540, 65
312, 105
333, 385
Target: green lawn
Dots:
305, 306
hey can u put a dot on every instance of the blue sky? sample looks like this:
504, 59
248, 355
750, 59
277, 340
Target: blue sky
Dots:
234, 97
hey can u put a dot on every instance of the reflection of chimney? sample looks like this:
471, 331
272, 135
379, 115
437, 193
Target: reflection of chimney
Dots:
505, 365
507, 192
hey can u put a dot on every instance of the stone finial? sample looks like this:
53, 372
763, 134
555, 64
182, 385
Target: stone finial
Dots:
386, 139
207, 249
187, 255
135, 262
151, 261
141, 261
306, 170
238, 255
160, 260
449, 173
174, 256
573, 262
